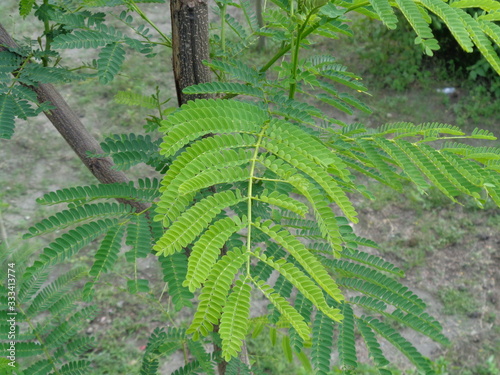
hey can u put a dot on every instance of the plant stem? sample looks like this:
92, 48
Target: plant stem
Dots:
133, 6
247, 17
360, 5
295, 54
293, 70
48, 38
287, 47
250, 191
223, 27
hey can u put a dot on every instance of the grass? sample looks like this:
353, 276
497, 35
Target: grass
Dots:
458, 301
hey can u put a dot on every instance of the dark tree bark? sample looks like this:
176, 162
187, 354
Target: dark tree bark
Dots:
189, 45
73, 131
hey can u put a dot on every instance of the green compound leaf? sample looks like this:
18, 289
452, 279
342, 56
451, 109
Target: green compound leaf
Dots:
193, 221
291, 315
304, 284
310, 263
106, 256
322, 342
207, 249
385, 12
25, 7
174, 268
214, 293
7, 116
82, 39
110, 62
234, 320
347, 340
403, 345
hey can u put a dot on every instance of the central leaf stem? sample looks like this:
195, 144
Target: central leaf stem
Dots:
250, 192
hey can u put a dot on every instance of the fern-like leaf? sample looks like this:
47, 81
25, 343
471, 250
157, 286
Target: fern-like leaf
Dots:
404, 346
481, 40
106, 256
9, 62
202, 117
150, 362
25, 7
82, 39
234, 320
346, 340
450, 17
53, 292
213, 177
190, 224
283, 201
385, 12
236, 69
214, 293
139, 237
401, 295
304, 257
190, 369
69, 328
174, 268
133, 99
412, 13
373, 261
372, 344
318, 174
70, 243
404, 162
75, 368
224, 88
487, 5
110, 61
202, 357
206, 250
322, 341
76, 215
147, 191
7, 115
422, 323
33, 74
304, 284
287, 311
237, 367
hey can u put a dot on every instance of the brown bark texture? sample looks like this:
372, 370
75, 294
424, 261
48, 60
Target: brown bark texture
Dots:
190, 45
67, 123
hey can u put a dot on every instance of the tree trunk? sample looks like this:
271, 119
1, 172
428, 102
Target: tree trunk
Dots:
71, 128
189, 45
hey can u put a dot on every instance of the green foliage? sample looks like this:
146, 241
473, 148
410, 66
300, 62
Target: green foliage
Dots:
51, 317
110, 61
255, 183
